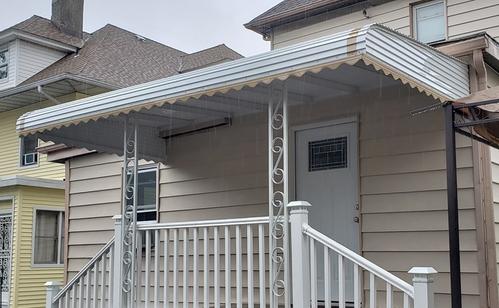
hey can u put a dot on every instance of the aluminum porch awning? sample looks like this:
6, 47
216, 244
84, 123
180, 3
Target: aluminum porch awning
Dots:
220, 88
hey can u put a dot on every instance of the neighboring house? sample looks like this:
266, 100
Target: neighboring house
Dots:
373, 171
45, 62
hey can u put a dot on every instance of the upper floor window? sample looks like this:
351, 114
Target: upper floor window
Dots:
48, 237
4, 64
29, 154
429, 21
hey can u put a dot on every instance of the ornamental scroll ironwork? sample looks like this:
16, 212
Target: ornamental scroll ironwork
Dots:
278, 198
129, 217
5, 250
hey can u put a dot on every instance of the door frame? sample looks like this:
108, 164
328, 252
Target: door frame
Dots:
12, 199
356, 161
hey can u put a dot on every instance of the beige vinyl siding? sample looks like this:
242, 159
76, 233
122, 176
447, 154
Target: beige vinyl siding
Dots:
494, 156
223, 173
32, 58
94, 198
464, 17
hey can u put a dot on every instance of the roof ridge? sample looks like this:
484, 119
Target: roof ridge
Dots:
136, 34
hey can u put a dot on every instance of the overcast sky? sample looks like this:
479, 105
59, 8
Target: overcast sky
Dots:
188, 25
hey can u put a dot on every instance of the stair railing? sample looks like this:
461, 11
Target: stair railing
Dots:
91, 287
306, 286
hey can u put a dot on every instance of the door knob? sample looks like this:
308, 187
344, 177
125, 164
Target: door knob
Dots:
356, 219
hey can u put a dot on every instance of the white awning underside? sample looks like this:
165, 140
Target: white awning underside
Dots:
332, 66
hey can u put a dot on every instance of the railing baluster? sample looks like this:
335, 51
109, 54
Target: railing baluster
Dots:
249, 258
239, 279
185, 280
216, 268
389, 295
146, 277
372, 291
195, 267
138, 286
156, 268
327, 278
111, 277
166, 302
227, 267
341, 282
313, 274
206, 287
406, 301
261, 264
68, 298
356, 286
75, 294
95, 287
175, 268
87, 297
103, 282
80, 299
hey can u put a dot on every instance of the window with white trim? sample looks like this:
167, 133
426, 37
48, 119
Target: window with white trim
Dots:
48, 246
429, 21
29, 154
4, 64
147, 194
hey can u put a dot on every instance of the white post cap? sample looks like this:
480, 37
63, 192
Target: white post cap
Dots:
298, 204
423, 271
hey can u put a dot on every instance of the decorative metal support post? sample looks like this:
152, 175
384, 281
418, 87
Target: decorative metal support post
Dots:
129, 214
278, 199
300, 253
452, 207
423, 290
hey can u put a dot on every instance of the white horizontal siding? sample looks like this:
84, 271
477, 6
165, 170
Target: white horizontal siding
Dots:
33, 58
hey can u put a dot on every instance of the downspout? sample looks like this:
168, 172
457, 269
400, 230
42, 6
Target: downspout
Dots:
48, 96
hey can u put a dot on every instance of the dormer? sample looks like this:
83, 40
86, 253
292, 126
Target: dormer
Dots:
36, 43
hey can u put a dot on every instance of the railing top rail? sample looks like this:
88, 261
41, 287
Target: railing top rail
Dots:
359, 260
87, 266
204, 223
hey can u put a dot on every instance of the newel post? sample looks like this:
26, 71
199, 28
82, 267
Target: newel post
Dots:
423, 286
117, 296
300, 259
52, 288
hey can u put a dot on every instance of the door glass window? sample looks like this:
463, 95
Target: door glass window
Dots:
327, 154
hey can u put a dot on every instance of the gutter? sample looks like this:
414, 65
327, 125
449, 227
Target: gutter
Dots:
53, 79
12, 34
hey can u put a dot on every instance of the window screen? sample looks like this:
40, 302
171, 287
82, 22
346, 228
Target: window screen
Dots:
146, 195
48, 246
429, 21
327, 154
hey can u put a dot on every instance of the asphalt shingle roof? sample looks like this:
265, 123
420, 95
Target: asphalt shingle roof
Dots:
288, 9
121, 58
43, 27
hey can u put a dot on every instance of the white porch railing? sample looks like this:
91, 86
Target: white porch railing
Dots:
224, 263
304, 242
208, 263
91, 287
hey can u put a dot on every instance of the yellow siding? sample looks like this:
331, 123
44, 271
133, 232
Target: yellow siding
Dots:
28, 287
9, 156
